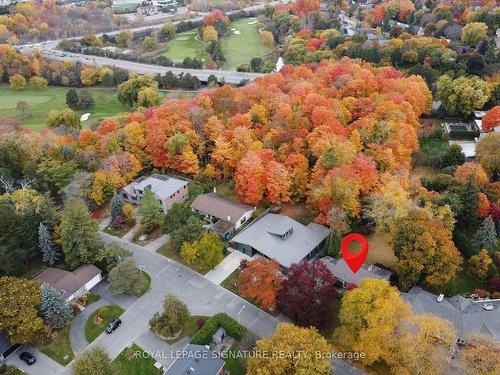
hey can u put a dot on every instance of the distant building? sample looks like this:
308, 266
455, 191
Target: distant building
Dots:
196, 359
281, 238
168, 190
345, 276
225, 214
71, 284
468, 316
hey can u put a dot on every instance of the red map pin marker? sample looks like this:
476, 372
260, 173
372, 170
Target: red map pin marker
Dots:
354, 260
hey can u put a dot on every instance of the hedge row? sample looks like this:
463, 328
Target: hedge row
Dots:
205, 333
462, 134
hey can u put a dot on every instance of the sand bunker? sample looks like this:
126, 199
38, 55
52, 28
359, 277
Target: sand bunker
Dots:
85, 117
252, 23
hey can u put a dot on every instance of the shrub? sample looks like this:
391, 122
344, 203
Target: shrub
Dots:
118, 222
205, 333
480, 292
200, 322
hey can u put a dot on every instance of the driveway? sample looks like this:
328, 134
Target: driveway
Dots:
43, 365
225, 268
77, 329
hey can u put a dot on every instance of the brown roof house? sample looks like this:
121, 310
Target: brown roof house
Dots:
72, 284
227, 216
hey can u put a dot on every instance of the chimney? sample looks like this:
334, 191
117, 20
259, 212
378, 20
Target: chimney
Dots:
215, 189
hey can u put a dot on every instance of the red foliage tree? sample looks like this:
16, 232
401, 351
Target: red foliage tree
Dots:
491, 119
308, 294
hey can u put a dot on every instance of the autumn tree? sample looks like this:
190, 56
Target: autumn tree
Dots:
17, 82
308, 293
93, 361
487, 153
54, 309
78, 233
126, 278
473, 32
480, 355
38, 82
471, 170
148, 97
277, 183
150, 211
478, 264
175, 314
425, 251
249, 179
206, 252
168, 31
491, 119
210, 34
19, 310
66, 117
123, 38
306, 352
462, 95
261, 280
128, 91
267, 38
193, 230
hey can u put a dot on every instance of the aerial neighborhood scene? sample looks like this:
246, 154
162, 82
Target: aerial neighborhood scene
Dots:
249, 187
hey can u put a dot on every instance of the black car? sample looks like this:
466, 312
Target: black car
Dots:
28, 358
113, 325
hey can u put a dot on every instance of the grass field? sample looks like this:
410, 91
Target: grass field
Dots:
128, 362
108, 313
60, 348
41, 102
241, 48
238, 48
186, 45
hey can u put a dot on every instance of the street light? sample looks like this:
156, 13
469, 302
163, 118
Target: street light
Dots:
239, 312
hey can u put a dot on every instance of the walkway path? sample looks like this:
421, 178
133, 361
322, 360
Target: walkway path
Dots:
156, 244
225, 268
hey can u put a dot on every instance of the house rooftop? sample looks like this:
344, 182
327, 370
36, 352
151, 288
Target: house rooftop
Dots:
220, 207
468, 316
4, 341
468, 147
342, 271
68, 282
282, 238
196, 359
163, 186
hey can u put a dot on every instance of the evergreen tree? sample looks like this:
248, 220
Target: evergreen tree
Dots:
50, 253
85, 100
469, 197
72, 98
54, 310
116, 207
486, 235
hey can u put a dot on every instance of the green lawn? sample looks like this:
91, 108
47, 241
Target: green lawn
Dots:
238, 48
184, 45
147, 284
189, 328
241, 48
462, 284
125, 8
41, 102
234, 365
60, 348
108, 313
132, 361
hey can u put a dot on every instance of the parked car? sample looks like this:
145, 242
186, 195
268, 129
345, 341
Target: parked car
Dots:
27, 358
113, 325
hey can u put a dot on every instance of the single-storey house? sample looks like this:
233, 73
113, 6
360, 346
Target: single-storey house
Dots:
6, 347
216, 208
168, 190
467, 315
71, 284
345, 276
468, 148
282, 238
196, 359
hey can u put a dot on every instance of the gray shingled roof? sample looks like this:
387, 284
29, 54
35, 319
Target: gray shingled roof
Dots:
162, 186
220, 207
4, 342
342, 271
263, 236
195, 359
68, 282
468, 316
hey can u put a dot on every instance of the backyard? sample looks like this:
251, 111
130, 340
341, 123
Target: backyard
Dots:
42, 101
240, 45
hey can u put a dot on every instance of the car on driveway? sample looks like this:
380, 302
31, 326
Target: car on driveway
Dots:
113, 325
27, 358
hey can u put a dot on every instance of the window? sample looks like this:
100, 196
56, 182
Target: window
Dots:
243, 220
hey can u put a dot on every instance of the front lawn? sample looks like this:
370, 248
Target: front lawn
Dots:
153, 235
168, 250
134, 361
234, 365
108, 314
60, 348
120, 232
189, 328
147, 284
